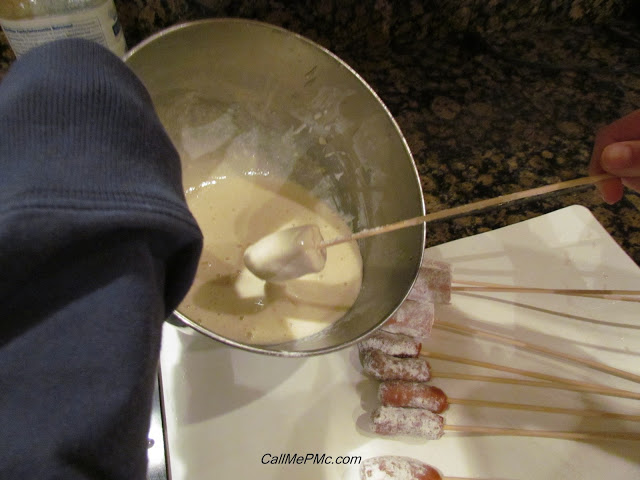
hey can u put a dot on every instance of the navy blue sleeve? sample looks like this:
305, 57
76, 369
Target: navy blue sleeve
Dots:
97, 247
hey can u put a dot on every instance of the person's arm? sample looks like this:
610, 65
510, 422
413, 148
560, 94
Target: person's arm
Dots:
97, 247
617, 151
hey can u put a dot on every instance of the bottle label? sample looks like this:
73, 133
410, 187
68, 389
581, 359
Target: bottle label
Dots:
99, 24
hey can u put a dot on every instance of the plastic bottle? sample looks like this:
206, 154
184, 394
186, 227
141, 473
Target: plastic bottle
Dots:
29, 23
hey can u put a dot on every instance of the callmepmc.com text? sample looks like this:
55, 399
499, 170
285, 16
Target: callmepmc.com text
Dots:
308, 459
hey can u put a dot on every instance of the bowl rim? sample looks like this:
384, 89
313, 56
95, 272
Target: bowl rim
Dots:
179, 320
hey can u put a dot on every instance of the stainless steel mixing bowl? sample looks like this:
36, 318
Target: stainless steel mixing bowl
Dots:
325, 129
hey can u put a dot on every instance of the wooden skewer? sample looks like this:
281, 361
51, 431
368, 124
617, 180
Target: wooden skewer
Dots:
468, 208
495, 366
538, 384
538, 349
544, 409
463, 478
474, 286
621, 298
459, 478
523, 432
593, 388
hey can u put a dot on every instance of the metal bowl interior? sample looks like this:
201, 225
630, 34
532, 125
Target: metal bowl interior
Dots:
342, 145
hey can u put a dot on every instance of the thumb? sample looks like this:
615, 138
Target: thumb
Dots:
622, 159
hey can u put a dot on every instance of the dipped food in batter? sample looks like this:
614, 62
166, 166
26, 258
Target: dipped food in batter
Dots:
226, 298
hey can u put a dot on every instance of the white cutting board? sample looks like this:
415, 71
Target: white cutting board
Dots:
228, 411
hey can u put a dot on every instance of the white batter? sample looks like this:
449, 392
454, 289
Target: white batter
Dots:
226, 298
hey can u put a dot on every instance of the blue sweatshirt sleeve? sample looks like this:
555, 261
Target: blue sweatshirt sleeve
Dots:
97, 247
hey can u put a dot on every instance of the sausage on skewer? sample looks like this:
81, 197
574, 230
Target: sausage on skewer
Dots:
391, 344
390, 467
414, 319
380, 366
398, 393
407, 421
433, 283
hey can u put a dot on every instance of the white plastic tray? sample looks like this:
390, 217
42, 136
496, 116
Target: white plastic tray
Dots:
228, 411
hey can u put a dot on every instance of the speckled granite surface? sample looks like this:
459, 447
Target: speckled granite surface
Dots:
493, 96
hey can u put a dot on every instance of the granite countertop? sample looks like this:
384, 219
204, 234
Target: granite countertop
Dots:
493, 97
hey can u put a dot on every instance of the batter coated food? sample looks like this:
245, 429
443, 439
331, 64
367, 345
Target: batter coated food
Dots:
226, 298
389, 467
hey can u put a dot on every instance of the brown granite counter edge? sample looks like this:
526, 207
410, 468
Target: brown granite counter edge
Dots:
329, 22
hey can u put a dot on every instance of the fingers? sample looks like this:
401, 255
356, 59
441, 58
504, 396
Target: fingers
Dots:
617, 151
625, 129
622, 159
611, 191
